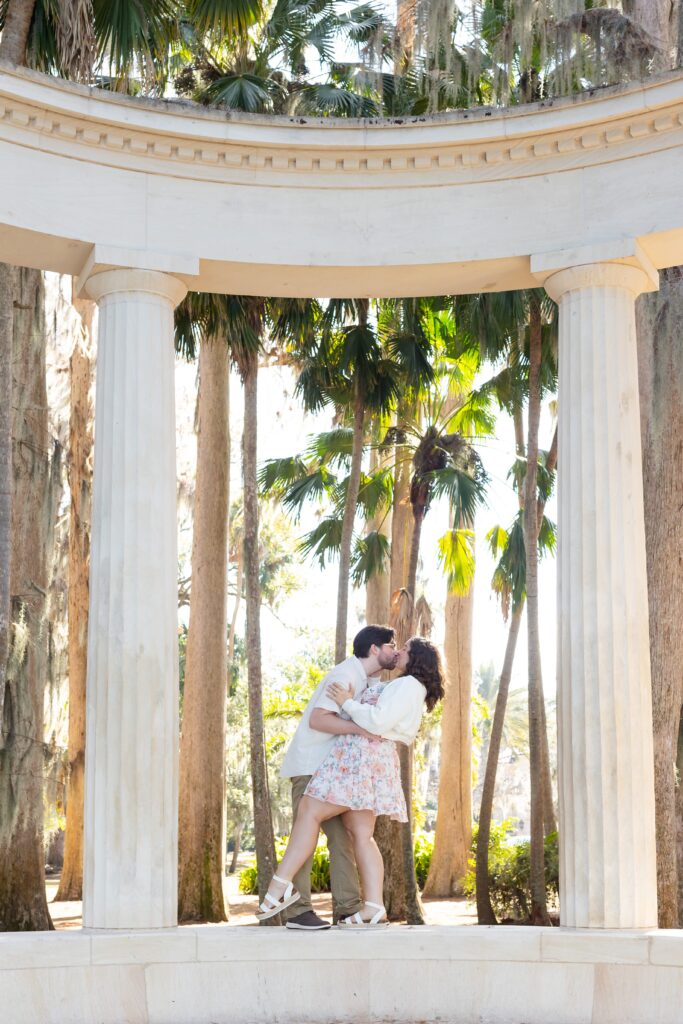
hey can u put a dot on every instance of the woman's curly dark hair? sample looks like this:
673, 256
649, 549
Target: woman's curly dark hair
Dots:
424, 662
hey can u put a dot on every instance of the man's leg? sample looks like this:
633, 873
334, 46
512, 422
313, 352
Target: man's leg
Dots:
302, 879
346, 894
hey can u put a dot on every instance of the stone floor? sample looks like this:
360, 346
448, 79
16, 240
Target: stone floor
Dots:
67, 915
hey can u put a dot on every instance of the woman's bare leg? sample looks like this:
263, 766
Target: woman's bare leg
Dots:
361, 825
303, 840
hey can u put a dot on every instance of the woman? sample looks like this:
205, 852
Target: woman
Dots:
360, 778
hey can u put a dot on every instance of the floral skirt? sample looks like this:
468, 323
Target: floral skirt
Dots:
363, 775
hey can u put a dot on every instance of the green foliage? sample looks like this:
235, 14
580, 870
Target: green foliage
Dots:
424, 848
320, 872
510, 872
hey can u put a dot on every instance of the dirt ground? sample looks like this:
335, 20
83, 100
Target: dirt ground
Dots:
437, 912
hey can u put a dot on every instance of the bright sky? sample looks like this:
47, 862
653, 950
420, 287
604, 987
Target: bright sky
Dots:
284, 430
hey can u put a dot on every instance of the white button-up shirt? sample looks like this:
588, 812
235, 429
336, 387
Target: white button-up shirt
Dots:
310, 747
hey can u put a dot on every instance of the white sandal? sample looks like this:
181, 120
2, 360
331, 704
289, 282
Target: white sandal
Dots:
378, 919
272, 906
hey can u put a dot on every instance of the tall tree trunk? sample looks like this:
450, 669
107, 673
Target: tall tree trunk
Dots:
14, 39
453, 835
263, 822
237, 841
79, 470
539, 912
549, 820
485, 914
201, 854
8, 282
659, 325
679, 817
659, 18
347, 524
660, 355
388, 833
236, 608
23, 906
378, 587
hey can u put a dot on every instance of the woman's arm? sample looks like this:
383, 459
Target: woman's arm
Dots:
330, 721
399, 699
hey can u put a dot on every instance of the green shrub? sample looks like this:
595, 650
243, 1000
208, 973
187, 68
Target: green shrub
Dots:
424, 848
320, 872
510, 873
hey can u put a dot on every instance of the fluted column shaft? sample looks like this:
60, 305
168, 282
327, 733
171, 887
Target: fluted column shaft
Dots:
130, 842
605, 761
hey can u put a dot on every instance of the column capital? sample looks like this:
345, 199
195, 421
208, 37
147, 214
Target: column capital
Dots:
110, 282
621, 263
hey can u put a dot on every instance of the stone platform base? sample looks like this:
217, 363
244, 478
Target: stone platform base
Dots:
221, 975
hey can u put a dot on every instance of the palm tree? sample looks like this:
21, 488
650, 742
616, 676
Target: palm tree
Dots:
347, 368
660, 374
453, 830
510, 583
202, 745
79, 469
23, 906
521, 327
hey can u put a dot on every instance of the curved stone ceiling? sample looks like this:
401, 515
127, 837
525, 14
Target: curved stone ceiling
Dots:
303, 206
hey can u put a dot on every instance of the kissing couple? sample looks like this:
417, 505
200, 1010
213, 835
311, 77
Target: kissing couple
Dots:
345, 771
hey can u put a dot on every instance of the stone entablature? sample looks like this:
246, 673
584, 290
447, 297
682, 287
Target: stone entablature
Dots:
246, 204
180, 138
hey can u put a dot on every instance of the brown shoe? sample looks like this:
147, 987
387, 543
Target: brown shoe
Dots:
308, 922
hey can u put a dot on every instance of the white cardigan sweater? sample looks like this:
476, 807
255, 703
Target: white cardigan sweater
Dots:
397, 713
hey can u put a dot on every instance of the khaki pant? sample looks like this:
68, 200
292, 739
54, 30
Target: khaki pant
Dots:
346, 895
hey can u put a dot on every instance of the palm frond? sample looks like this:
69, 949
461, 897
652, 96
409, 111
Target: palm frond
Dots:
456, 557
323, 543
313, 487
250, 93
328, 99
332, 447
224, 17
376, 492
276, 475
370, 557
465, 489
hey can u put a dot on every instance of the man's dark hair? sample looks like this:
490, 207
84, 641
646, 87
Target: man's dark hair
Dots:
369, 635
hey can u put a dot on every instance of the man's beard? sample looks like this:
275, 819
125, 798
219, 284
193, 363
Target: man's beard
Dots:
387, 660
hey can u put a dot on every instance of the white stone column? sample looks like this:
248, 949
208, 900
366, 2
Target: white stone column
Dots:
605, 761
131, 785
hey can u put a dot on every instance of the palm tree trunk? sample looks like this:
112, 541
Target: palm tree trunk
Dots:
23, 906
236, 841
539, 912
413, 906
79, 468
201, 853
263, 822
388, 833
485, 914
7, 287
14, 40
660, 354
347, 524
679, 813
659, 325
378, 587
453, 834
414, 913
235, 611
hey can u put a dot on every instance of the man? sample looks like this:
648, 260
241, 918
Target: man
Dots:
374, 649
